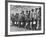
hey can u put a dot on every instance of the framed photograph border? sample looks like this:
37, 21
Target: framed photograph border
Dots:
6, 17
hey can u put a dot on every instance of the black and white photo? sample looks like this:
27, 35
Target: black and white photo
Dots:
25, 18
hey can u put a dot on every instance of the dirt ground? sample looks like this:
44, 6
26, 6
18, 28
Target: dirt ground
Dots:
15, 28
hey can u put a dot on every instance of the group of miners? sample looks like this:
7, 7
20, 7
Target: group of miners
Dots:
29, 20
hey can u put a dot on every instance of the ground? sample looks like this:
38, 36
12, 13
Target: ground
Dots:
15, 28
